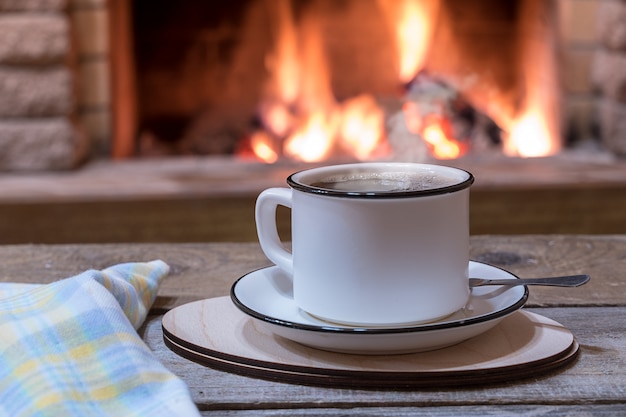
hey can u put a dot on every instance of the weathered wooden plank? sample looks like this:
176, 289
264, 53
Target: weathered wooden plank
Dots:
197, 270
598, 376
203, 270
535, 410
534, 256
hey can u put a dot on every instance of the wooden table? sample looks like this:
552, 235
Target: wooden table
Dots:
596, 314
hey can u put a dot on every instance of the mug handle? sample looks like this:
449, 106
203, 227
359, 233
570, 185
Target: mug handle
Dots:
265, 217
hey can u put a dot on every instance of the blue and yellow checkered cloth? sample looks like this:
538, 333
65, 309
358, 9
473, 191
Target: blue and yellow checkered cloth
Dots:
70, 348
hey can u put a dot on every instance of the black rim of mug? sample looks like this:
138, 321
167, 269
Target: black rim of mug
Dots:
293, 183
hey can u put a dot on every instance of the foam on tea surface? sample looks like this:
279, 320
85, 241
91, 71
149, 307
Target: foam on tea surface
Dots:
385, 181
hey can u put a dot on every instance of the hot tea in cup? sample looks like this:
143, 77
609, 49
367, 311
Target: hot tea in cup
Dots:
373, 244
384, 182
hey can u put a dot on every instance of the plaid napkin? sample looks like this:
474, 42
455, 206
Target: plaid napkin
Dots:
70, 348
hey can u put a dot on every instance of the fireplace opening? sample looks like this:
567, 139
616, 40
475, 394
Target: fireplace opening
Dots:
357, 79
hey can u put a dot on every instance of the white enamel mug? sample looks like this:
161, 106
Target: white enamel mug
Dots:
369, 246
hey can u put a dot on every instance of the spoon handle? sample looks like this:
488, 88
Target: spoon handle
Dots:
564, 281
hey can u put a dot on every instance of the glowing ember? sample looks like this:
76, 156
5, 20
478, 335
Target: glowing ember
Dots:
435, 130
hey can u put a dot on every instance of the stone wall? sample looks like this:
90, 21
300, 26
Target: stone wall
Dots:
609, 74
38, 128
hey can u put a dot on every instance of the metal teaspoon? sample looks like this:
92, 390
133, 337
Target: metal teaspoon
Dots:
564, 281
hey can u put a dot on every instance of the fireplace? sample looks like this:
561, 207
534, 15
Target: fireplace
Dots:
70, 72
72, 84
236, 77
365, 79
77, 122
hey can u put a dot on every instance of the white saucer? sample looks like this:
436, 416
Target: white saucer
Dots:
266, 296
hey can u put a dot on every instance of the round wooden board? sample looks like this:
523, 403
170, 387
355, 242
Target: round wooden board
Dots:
215, 333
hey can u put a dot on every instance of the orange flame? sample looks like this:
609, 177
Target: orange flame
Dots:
529, 136
276, 117
310, 142
284, 62
304, 121
528, 114
361, 127
299, 106
536, 130
412, 22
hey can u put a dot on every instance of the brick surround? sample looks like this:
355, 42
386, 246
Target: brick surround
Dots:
53, 83
55, 79
609, 74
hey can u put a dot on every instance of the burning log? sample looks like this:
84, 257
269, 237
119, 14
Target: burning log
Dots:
436, 119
